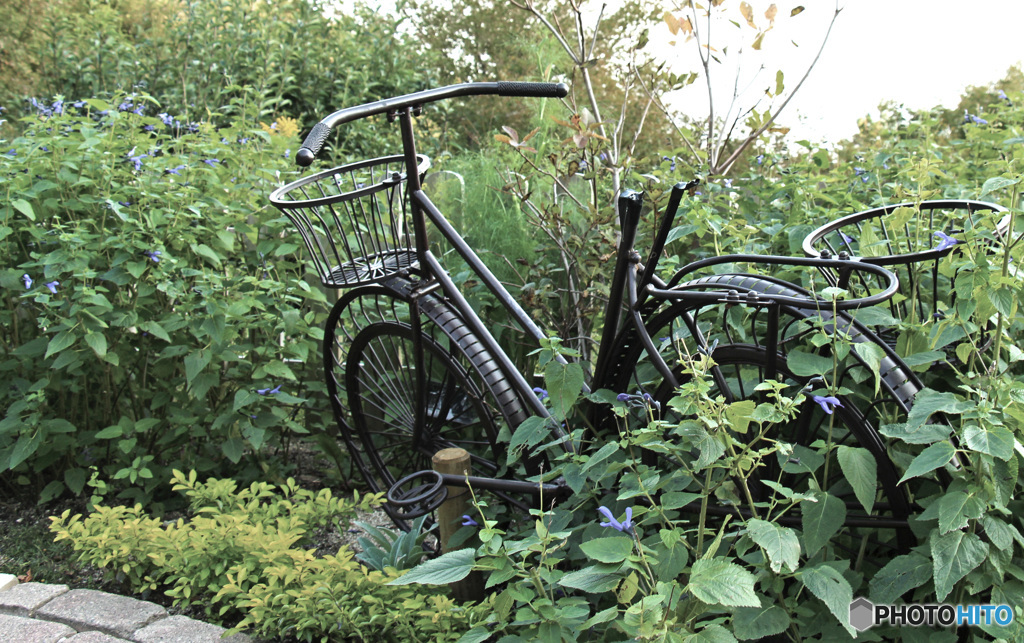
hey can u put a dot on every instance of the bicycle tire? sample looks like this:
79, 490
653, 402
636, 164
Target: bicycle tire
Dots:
390, 302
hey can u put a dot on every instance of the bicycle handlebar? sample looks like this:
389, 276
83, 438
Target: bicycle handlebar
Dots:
314, 142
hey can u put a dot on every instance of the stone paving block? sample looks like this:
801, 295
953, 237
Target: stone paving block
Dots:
7, 581
25, 598
94, 637
182, 629
23, 629
90, 609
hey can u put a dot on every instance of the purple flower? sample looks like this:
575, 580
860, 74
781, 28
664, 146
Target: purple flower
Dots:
52, 286
269, 391
125, 203
78, 104
540, 393
27, 280
760, 159
136, 160
12, 152
625, 526
287, 153
828, 404
153, 254
945, 241
175, 170
211, 162
623, 397
468, 522
166, 118
971, 118
847, 239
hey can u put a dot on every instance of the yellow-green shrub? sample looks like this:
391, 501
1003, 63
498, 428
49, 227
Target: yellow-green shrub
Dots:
242, 553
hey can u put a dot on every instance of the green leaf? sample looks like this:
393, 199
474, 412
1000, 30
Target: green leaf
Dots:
591, 579
929, 402
821, 520
872, 355
754, 623
75, 480
779, 543
924, 434
608, 550
829, 585
97, 342
719, 582
529, 433
899, 576
195, 362
1004, 300
24, 207
61, 341
739, 414
861, 471
233, 449
956, 509
954, 555
713, 633
110, 432
808, 364
564, 382
996, 441
933, 457
448, 568
996, 183
206, 252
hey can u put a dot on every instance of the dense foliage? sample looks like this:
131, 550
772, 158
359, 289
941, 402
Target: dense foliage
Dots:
157, 316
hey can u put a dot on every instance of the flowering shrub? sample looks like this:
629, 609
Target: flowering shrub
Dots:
152, 317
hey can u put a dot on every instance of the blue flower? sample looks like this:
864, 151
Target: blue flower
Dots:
52, 286
175, 170
828, 404
945, 241
623, 397
287, 153
541, 393
269, 391
136, 160
468, 522
12, 152
211, 162
625, 526
847, 239
1001, 95
153, 254
760, 159
125, 203
166, 118
971, 118
27, 280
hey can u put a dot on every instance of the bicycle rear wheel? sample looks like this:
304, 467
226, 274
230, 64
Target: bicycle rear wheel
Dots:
369, 357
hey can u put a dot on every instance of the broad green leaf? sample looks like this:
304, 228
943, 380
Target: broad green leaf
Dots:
24, 207
25, 447
604, 616
779, 543
1004, 300
110, 432
755, 623
924, 434
956, 509
719, 582
929, 402
233, 449
996, 441
195, 362
564, 382
591, 579
1000, 533
61, 341
872, 355
448, 568
531, 432
861, 471
829, 585
602, 454
821, 520
713, 633
808, 364
739, 413
97, 342
608, 550
933, 457
75, 479
954, 555
475, 635
207, 253
899, 576
996, 183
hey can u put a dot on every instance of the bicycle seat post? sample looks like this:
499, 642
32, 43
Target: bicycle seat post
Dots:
419, 223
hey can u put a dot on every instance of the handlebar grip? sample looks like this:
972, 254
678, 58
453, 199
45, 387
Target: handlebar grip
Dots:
313, 144
536, 90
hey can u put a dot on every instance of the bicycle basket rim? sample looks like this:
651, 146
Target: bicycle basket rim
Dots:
819, 233
279, 197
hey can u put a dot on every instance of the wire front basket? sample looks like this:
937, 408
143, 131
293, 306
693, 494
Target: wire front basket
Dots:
910, 240
354, 219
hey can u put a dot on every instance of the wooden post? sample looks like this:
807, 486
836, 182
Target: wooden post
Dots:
449, 517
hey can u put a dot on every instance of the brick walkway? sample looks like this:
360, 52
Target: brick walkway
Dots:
44, 613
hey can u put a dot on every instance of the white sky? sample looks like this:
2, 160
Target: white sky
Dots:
920, 53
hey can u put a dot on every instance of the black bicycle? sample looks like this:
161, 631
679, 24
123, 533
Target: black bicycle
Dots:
412, 369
